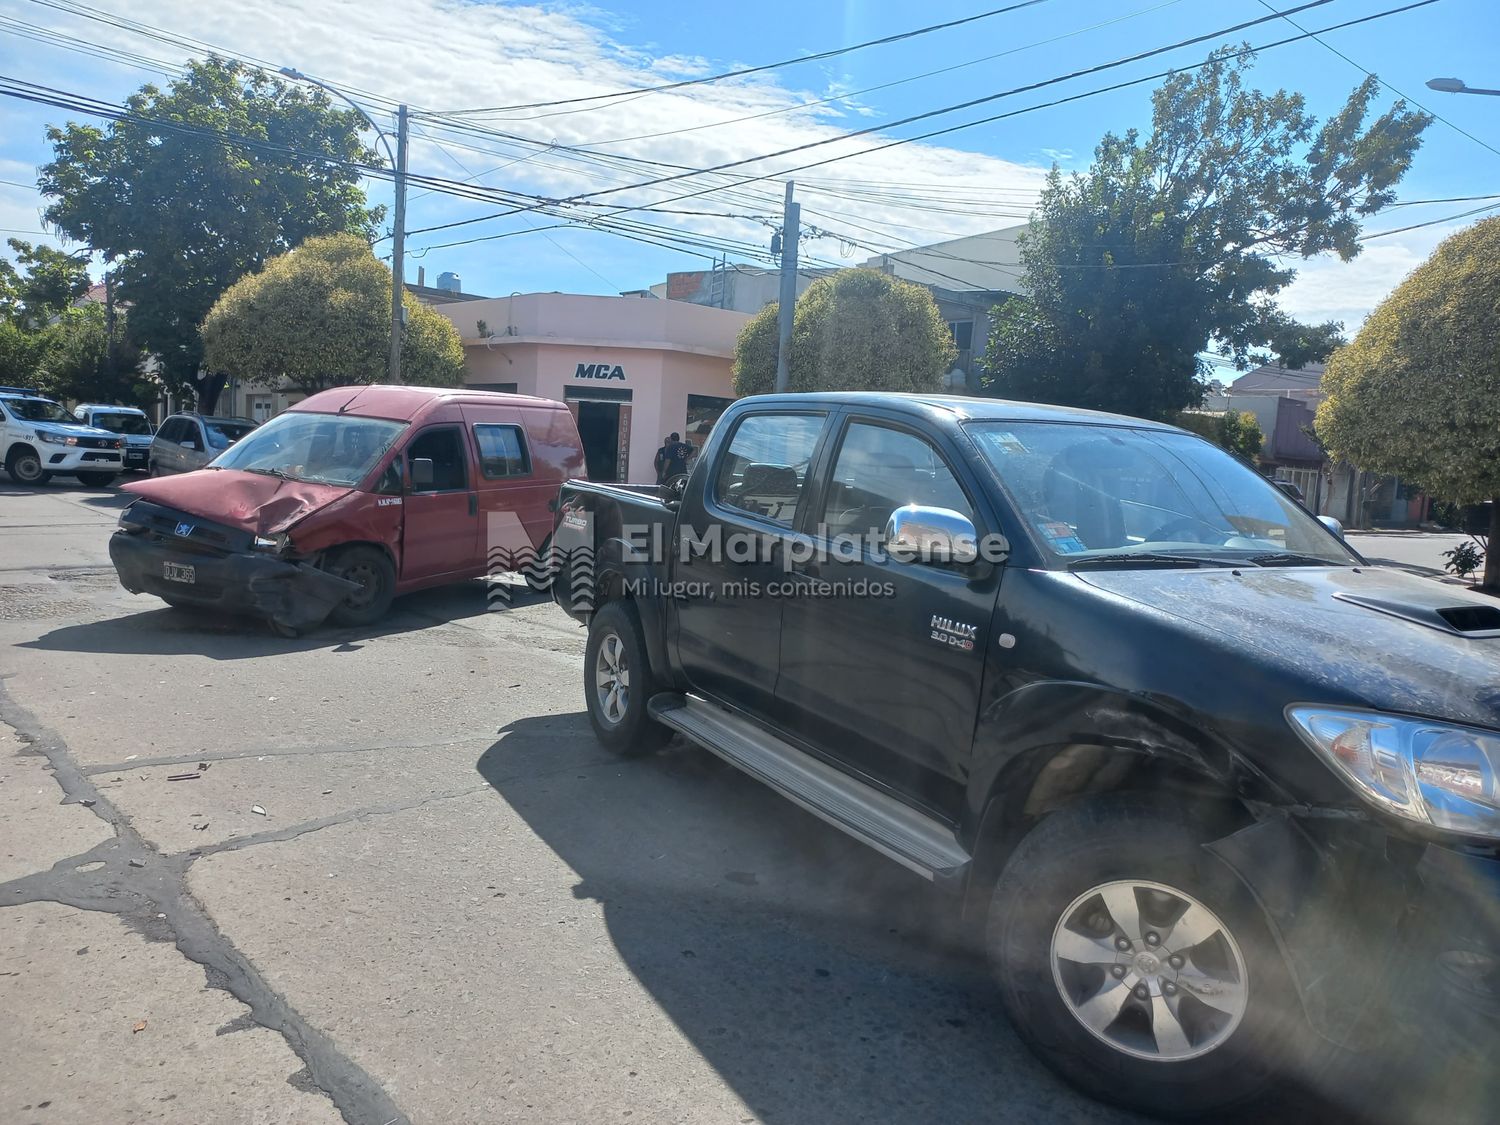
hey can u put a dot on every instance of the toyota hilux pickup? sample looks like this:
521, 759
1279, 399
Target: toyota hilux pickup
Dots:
1217, 793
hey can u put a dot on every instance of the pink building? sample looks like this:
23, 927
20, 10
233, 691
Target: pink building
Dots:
631, 369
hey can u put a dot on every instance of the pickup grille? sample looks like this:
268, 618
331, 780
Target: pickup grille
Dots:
98, 443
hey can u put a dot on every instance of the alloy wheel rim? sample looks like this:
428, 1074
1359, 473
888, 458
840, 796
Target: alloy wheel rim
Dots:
612, 679
1149, 970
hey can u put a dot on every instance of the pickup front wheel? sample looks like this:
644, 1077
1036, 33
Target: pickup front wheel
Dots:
1134, 964
618, 682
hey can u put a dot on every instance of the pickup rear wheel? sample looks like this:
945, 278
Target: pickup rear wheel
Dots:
370, 567
1135, 965
618, 682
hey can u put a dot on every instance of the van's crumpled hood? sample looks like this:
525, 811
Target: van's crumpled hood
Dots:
1290, 616
253, 502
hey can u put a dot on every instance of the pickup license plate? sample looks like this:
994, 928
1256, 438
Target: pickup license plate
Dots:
176, 572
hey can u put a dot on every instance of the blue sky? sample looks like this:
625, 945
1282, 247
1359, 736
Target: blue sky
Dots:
445, 55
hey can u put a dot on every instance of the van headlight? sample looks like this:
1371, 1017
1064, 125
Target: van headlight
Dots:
276, 544
1437, 774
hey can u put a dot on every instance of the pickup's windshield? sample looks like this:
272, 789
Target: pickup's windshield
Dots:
38, 410
122, 423
1094, 491
323, 448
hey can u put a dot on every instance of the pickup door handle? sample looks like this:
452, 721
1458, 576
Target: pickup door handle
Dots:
473, 504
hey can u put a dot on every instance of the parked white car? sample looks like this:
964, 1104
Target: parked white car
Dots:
131, 424
40, 440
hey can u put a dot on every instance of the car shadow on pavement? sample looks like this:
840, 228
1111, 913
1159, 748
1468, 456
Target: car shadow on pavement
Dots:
821, 981
161, 630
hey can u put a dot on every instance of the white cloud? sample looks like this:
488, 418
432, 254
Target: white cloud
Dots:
1328, 289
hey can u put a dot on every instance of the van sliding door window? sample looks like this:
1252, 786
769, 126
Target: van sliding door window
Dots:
502, 451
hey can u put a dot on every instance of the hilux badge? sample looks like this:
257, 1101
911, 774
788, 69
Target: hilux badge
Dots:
954, 634
185, 529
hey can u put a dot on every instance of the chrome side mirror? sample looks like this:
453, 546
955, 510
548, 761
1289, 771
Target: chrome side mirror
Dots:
940, 535
1332, 525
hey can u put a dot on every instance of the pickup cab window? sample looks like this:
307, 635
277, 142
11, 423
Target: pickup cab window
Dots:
880, 469
765, 467
1086, 490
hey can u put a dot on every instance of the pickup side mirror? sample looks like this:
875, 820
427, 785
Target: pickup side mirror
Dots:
931, 535
1332, 525
421, 474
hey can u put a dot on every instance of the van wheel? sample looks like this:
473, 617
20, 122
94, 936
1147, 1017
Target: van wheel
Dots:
25, 466
370, 567
96, 480
1135, 965
618, 682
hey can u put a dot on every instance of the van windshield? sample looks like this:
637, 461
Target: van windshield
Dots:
321, 448
1097, 495
119, 422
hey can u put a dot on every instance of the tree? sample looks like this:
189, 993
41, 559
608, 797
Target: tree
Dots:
1417, 394
199, 184
47, 282
83, 359
1294, 345
320, 316
1172, 240
856, 330
1238, 431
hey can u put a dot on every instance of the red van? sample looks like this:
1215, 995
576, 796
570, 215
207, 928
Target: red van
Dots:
349, 498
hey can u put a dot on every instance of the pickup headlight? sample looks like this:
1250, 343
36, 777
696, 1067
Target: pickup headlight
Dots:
272, 544
1437, 774
55, 439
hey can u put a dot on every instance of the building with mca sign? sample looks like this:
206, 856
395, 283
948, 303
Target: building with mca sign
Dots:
632, 369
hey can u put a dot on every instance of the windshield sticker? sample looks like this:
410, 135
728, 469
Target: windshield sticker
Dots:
1061, 538
1007, 442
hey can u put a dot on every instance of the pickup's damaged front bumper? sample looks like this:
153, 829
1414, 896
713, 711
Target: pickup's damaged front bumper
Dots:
292, 595
1391, 942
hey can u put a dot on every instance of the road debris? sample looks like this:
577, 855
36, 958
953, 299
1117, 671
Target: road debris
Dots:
138, 1028
183, 776
200, 827
258, 811
137, 863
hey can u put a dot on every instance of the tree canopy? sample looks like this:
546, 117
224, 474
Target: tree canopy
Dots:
1417, 394
320, 316
855, 330
1238, 431
1175, 239
197, 185
40, 284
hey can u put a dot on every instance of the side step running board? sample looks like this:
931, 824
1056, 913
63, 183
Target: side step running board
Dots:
884, 823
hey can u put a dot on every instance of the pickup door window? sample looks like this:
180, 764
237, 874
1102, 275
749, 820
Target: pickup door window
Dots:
440, 524
882, 661
728, 612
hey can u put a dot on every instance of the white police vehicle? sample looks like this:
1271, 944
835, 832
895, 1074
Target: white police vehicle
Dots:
39, 440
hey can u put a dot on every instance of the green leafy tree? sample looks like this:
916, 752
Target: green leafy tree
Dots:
198, 185
1176, 238
1238, 431
46, 282
83, 359
857, 330
320, 316
1294, 345
1417, 394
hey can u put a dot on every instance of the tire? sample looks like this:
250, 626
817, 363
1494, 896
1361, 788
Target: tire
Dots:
372, 569
152, 472
97, 480
25, 466
1144, 855
618, 682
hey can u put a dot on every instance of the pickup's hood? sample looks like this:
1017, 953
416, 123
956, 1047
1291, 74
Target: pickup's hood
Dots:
71, 429
1374, 632
253, 502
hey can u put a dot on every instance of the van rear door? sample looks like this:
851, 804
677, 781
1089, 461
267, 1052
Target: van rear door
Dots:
514, 517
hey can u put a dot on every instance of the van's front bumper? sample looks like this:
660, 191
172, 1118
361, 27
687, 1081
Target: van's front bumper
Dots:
293, 595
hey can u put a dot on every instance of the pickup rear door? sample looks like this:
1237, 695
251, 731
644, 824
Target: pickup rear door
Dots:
735, 521
882, 661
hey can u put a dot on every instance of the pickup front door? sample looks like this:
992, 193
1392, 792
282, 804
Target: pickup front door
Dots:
742, 511
440, 525
882, 661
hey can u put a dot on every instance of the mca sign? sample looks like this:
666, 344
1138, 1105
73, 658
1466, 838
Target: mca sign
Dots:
599, 371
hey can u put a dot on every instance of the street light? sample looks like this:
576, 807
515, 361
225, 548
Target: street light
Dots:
398, 225
1457, 86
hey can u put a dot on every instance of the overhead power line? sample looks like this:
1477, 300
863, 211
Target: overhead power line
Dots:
743, 71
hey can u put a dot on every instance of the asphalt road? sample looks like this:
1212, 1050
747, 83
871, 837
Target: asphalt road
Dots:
388, 876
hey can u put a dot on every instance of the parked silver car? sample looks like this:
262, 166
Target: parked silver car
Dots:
185, 442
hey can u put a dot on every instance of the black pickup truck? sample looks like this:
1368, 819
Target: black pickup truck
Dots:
1218, 791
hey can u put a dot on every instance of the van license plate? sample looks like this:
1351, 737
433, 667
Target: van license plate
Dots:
176, 572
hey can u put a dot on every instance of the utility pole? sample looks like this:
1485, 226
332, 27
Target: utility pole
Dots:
791, 233
398, 247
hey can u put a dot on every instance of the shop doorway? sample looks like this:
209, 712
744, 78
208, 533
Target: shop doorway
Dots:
599, 427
